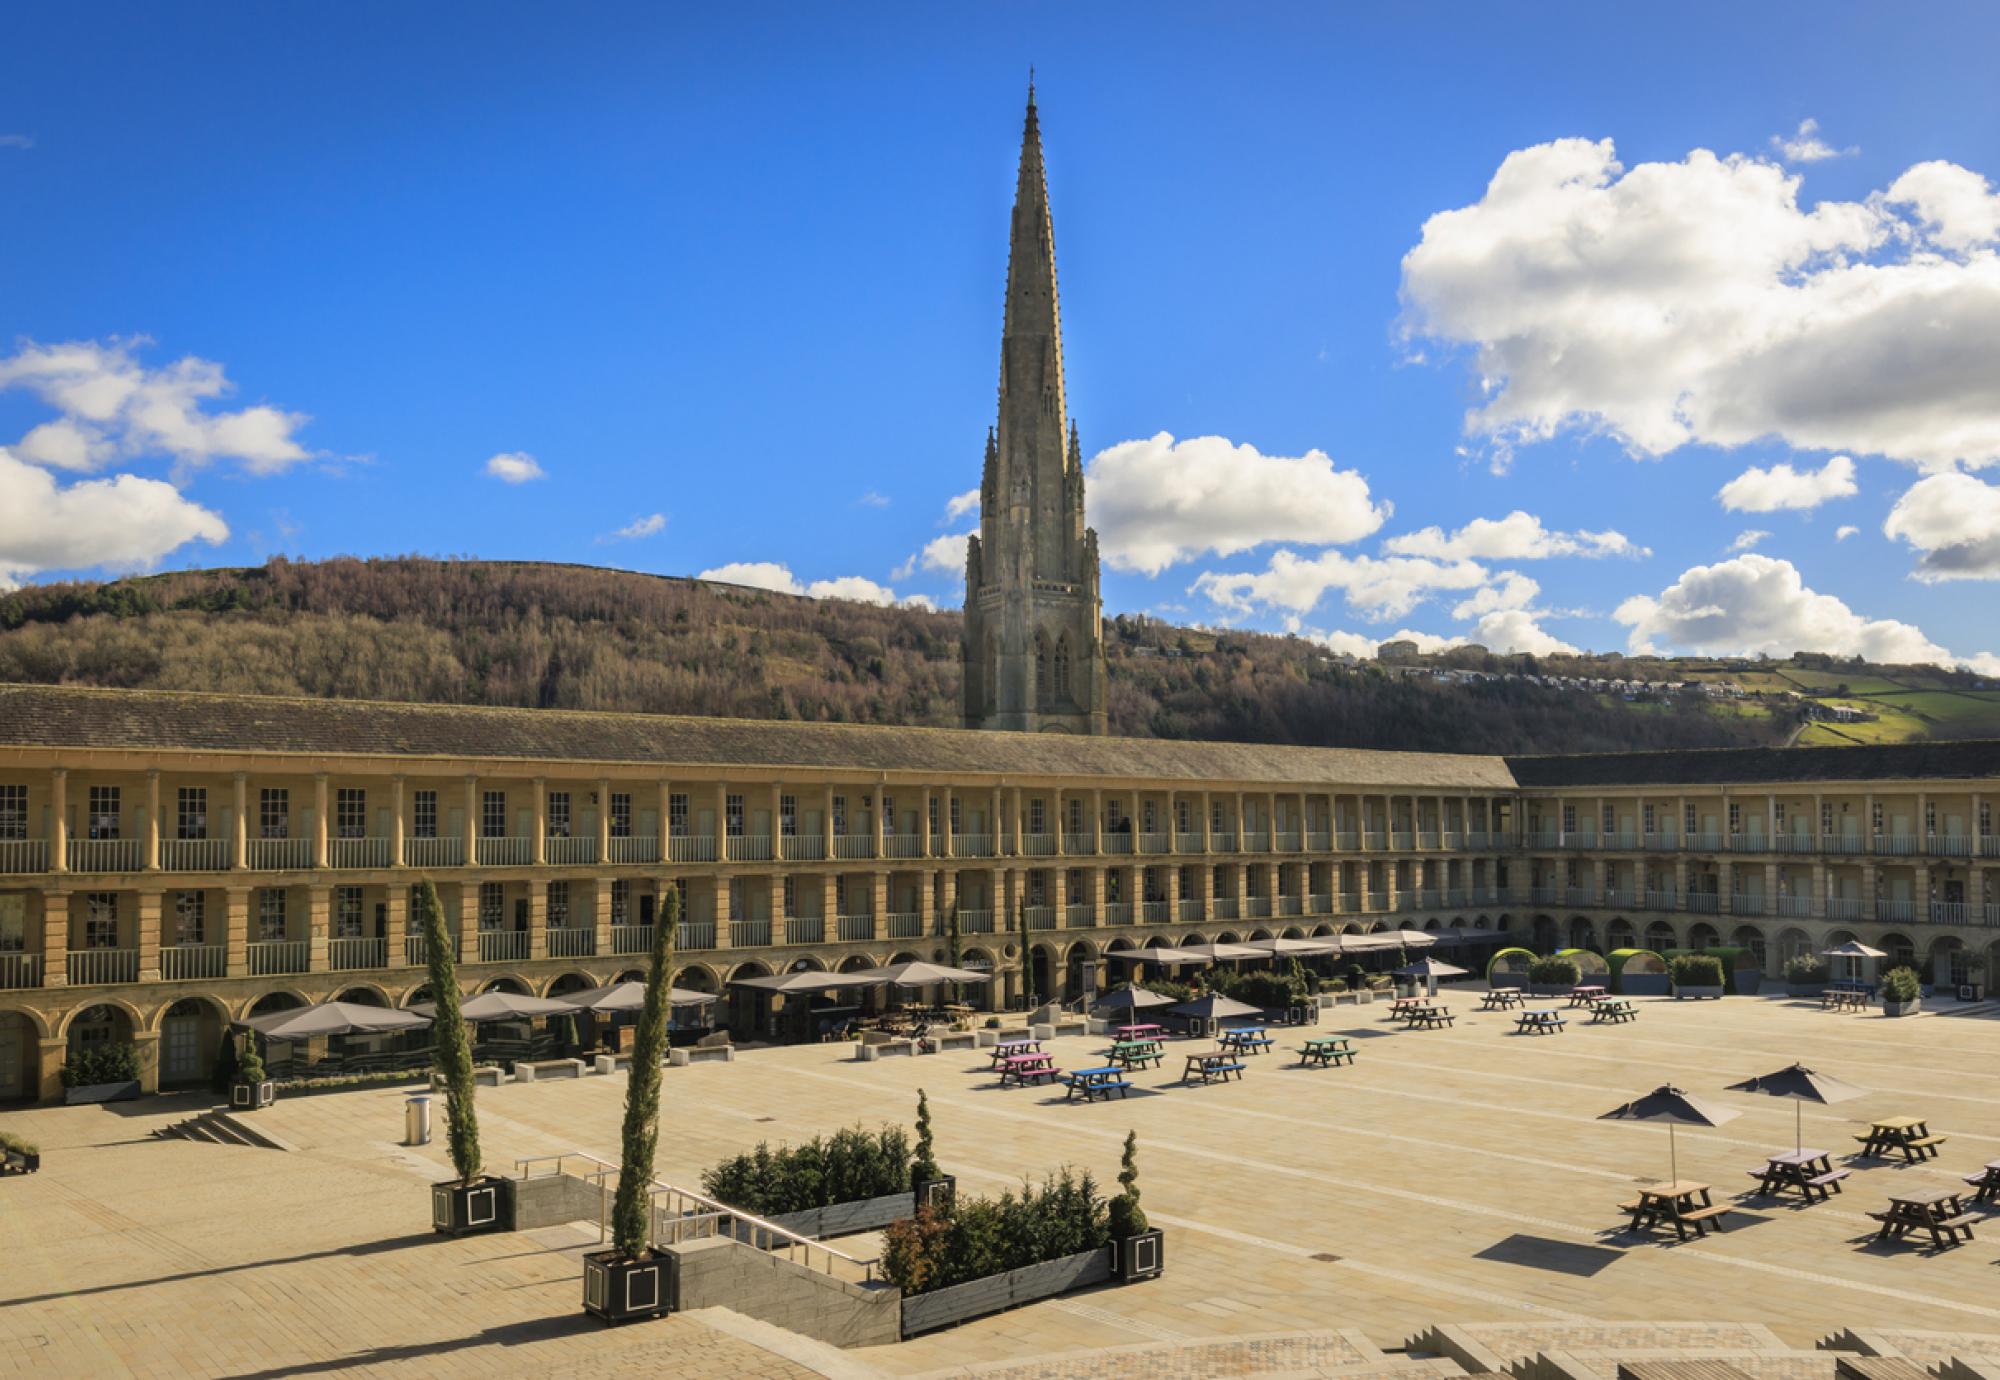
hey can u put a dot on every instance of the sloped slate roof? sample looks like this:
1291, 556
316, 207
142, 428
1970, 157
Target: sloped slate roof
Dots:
73, 717
1755, 766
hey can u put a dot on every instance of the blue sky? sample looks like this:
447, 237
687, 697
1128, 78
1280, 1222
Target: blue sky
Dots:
733, 281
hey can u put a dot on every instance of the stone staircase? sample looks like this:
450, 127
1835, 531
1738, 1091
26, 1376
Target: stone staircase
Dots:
1602, 1351
219, 1126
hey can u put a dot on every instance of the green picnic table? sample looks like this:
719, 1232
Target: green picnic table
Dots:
1326, 1050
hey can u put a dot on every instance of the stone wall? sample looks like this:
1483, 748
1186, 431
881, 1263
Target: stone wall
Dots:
719, 1273
549, 1200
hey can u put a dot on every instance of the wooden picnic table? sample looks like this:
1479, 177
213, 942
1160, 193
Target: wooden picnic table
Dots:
1682, 1203
1543, 1020
1211, 1065
1585, 993
1909, 1136
1428, 1016
1096, 1083
1986, 1183
1007, 1049
1811, 1172
1326, 1050
1247, 1039
1614, 1009
1501, 999
1937, 1211
1128, 1054
1023, 1069
1140, 1031
1843, 999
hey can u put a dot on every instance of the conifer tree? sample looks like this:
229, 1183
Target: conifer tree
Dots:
1127, 1217
923, 1164
451, 1049
630, 1227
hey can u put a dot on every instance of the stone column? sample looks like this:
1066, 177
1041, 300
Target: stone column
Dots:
600, 917
944, 823
829, 904
1097, 821
882, 825
320, 833
399, 826
1173, 891
994, 825
468, 922
149, 935
1819, 889
396, 923
1725, 887
778, 821
58, 821
1240, 829
1097, 918
151, 862
540, 855
471, 839
826, 822
722, 821
927, 898
53, 1054
55, 939
319, 907
236, 930
664, 826
239, 845
146, 1048
604, 819
924, 800
1207, 810
879, 903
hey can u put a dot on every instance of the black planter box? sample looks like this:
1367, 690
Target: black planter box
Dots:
248, 1097
618, 1289
27, 1162
485, 1204
100, 1092
937, 1194
1140, 1257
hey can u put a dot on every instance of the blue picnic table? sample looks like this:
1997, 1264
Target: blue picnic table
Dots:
1096, 1083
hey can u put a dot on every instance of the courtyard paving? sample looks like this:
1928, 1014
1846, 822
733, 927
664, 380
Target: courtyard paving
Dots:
1450, 1175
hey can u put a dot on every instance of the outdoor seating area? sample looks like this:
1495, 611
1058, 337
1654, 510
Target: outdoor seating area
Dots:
1615, 1010
1212, 1066
1938, 1213
1326, 1051
1539, 1021
1907, 1136
1425, 1015
1809, 1172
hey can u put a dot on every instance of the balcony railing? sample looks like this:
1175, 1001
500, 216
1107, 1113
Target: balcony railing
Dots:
503, 946
1659, 900
691, 848
1222, 841
1188, 908
1117, 841
1896, 845
357, 852
1749, 841
1296, 905
417, 852
570, 852
1256, 841
749, 847
906, 924
1795, 907
20, 970
1901, 911
632, 939
1078, 845
1156, 843
1256, 907
694, 934
1346, 841
1545, 896
357, 953
1225, 908
24, 855
1287, 841
1540, 838
1185, 842
88, 966
104, 855
1950, 845
1622, 840
1079, 917
1705, 902
1350, 902
1155, 912
268, 956
1846, 908
278, 855
1374, 839
853, 928
854, 846
972, 845
416, 952
1117, 912
1989, 846
1847, 844
1318, 840
1319, 903
1039, 917
808, 929
1792, 843
903, 846
1748, 903
573, 941
1704, 843
1033, 846
973, 921
632, 849
194, 855
1660, 843
1579, 896
506, 851
756, 934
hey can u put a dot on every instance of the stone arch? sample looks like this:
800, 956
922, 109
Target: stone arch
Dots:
414, 993
697, 977
1902, 952
36, 1021
1458, 922
1506, 924
1045, 959
1229, 937
1751, 938
1379, 927
21, 1034
1619, 933
1702, 935
812, 963
904, 956
1542, 932
572, 981
191, 1032
1159, 941
1791, 943
367, 994
1042, 669
856, 963
1948, 962
749, 969
1260, 933
1431, 926
1291, 932
983, 995
1660, 937
1323, 931
1582, 933
109, 1019
629, 975
268, 1003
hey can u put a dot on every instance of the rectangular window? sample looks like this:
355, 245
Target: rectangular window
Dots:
735, 899
1183, 817
956, 827
1930, 818
1114, 885
558, 905
1114, 814
1688, 824
558, 814
1735, 818
1569, 819
1610, 824
1826, 819
1151, 818
493, 815
271, 915
621, 815
732, 816
191, 812
933, 807
1875, 820
347, 912
350, 813
1648, 821
1075, 815
1037, 888
1215, 817
791, 897
190, 917
677, 814
888, 814
840, 814
100, 920
1038, 822
424, 815
13, 922
13, 812
104, 812
1075, 886
621, 901
492, 905
788, 816
1985, 820
274, 813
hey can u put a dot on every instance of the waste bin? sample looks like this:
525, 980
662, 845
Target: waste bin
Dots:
417, 1120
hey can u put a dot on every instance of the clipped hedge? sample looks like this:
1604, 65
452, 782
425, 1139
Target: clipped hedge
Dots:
94, 1064
20, 1145
1901, 984
1555, 970
1805, 969
986, 1236
1263, 987
1696, 970
845, 1167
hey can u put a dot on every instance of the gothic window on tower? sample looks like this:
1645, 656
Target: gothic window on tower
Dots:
992, 670
1062, 667
1041, 669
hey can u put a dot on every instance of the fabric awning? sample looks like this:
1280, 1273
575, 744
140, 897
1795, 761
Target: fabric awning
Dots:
333, 1018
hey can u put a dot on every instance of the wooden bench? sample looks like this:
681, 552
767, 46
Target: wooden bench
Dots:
721, 1054
1094, 1088
1538, 1023
1705, 1217
1829, 1181
1210, 1067
1953, 1226
1926, 1146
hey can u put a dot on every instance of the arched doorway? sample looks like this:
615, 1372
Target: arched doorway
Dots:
514, 986
273, 1002
1582, 934
20, 1058
190, 1036
99, 1027
1042, 964
570, 982
368, 996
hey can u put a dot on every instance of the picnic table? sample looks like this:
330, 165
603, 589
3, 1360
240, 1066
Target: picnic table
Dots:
1398, 1005
1909, 1136
1212, 1065
1681, 1203
1585, 994
1937, 1211
1811, 1172
1246, 1039
1326, 1050
1007, 1049
1543, 1020
1426, 1016
1843, 999
1023, 1069
1129, 1054
1096, 1083
1614, 1009
1501, 999
1141, 1031
1986, 1183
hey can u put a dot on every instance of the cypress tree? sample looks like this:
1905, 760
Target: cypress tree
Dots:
630, 1213
1027, 960
1127, 1217
953, 957
451, 1051
923, 1164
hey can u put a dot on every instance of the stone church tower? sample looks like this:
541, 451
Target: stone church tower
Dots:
1034, 648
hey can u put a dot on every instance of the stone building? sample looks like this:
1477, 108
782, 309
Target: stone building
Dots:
1034, 648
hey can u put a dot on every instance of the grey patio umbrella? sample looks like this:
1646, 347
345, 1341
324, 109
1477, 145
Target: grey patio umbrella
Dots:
1802, 1085
1161, 955
1132, 999
500, 1006
1224, 953
1853, 948
628, 996
1288, 948
333, 1018
1676, 1107
1214, 1008
920, 974
1430, 970
810, 980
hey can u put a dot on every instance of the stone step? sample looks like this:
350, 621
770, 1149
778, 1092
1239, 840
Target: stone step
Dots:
1929, 1348
220, 1127
1482, 1347
1602, 1363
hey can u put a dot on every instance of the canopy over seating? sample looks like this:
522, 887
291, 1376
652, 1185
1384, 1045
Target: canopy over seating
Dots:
501, 1006
1429, 967
333, 1018
1388, 939
812, 980
1225, 953
1130, 999
917, 973
627, 996
1215, 1008
1853, 948
1293, 948
1164, 956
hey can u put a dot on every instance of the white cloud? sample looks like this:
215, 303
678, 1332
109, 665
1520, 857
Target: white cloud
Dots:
871, 499
1377, 587
649, 526
1747, 541
757, 574
1362, 645
1805, 145
961, 504
1757, 604
943, 555
1159, 501
1844, 532
1510, 590
1768, 490
16, 141
514, 467
1517, 537
1518, 630
113, 406
124, 522
1953, 522
1696, 301
778, 578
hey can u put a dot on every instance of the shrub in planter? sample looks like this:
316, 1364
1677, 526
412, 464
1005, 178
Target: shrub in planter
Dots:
845, 1167
95, 1065
985, 1236
472, 1202
1805, 973
1554, 970
932, 1187
251, 1087
1140, 1247
19, 1153
632, 1280
1696, 975
1902, 992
